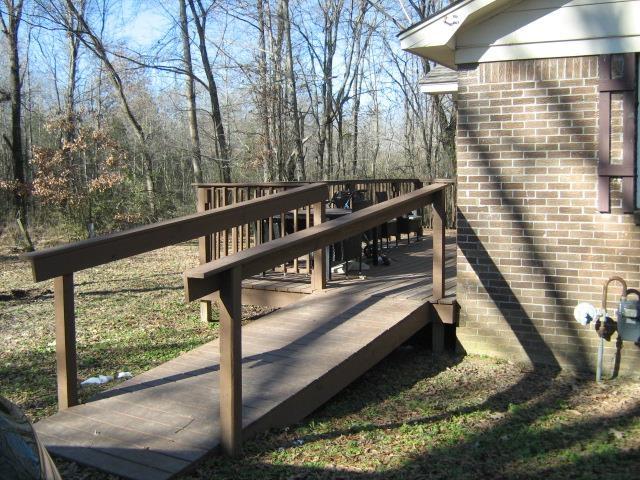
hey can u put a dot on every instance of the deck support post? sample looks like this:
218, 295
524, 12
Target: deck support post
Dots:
67, 368
319, 274
204, 250
437, 332
438, 225
231, 362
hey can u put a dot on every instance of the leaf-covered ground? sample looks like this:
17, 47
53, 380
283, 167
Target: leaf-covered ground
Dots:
130, 316
419, 417
412, 416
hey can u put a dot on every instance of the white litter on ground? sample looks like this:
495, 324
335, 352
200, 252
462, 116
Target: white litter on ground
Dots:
99, 380
124, 375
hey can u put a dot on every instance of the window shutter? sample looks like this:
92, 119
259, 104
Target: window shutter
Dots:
626, 86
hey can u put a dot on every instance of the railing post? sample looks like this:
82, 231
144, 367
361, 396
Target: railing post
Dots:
67, 368
438, 225
319, 274
231, 363
204, 251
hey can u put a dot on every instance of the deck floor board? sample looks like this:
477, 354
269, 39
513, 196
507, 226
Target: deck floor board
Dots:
164, 421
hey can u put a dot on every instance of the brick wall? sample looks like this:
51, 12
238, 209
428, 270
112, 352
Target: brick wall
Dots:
531, 243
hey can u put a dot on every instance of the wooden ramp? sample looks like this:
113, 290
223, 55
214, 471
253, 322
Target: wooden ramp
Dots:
166, 420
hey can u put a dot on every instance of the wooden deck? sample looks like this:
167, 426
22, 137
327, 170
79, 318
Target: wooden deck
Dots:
166, 420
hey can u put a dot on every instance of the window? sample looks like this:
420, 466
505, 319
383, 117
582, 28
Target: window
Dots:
617, 129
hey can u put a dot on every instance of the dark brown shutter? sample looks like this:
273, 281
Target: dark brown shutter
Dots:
626, 85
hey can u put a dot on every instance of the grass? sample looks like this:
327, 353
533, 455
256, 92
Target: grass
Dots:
419, 416
412, 416
130, 316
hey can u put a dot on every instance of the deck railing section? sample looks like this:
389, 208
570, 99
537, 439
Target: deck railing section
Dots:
225, 276
60, 263
242, 237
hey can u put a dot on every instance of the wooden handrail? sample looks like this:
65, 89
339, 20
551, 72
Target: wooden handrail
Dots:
206, 278
225, 275
295, 183
66, 259
61, 262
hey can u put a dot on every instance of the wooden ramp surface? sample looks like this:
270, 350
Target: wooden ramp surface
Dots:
164, 421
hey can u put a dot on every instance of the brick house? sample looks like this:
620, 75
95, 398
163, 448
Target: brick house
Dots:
546, 151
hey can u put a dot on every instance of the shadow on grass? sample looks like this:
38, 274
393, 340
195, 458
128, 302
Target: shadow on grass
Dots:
31, 375
522, 433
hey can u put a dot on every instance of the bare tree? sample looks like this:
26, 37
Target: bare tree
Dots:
196, 152
223, 153
297, 155
263, 95
10, 20
94, 43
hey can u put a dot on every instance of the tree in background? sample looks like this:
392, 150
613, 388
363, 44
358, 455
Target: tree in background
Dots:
221, 91
10, 20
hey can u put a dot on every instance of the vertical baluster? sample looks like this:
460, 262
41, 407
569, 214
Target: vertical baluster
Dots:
270, 237
216, 235
204, 250
283, 232
308, 225
246, 225
225, 239
296, 267
260, 193
234, 230
240, 227
319, 274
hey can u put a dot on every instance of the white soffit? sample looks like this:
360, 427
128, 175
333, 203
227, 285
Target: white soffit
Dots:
550, 29
435, 37
478, 31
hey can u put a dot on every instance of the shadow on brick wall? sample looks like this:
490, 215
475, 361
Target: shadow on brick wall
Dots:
500, 292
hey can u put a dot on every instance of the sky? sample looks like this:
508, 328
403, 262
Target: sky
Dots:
140, 24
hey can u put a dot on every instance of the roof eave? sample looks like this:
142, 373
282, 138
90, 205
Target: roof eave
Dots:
442, 54
435, 38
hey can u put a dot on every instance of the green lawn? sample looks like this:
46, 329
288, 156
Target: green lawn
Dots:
412, 416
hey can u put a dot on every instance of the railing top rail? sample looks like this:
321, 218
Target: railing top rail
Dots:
290, 184
70, 258
207, 278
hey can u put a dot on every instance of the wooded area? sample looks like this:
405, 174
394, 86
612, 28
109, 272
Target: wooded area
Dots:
111, 109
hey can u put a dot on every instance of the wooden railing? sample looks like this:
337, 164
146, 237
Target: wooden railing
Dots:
60, 263
242, 237
225, 276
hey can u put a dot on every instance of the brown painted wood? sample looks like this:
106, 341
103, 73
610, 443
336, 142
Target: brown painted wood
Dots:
294, 359
319, 272
446, 313
66, 360
272, 299
205, 250
198, 280
57, 261
438, 225
231, 362
627, 87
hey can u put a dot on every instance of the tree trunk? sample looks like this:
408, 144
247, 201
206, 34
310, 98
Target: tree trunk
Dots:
196, 153
10, 28
262, 98
97, 47
216, 114
297, 155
